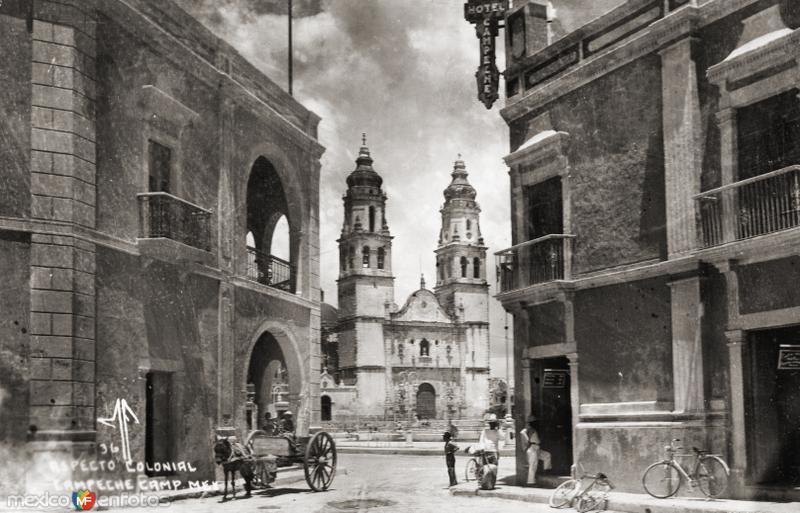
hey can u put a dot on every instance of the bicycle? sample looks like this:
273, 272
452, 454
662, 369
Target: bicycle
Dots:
584, 498
476, 469
710, 473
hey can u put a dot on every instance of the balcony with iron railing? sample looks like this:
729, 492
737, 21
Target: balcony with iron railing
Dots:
756, 206
270, 270
543, 260
164, 216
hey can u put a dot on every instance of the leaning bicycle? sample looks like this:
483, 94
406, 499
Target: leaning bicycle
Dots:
709, 472
572, 492
479, 468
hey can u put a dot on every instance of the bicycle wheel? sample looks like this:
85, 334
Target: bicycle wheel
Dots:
712, 475
563, 495
590, 500
471, 472
661, 480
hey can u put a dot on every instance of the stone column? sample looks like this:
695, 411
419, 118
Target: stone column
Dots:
62, 268
729, 145
687, 347
575, 401
736, 355
683, 145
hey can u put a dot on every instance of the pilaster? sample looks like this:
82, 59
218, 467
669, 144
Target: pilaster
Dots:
63, 177
683, 144
736, 352
726, 119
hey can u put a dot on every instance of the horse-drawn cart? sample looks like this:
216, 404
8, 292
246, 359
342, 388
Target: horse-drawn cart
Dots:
317, 453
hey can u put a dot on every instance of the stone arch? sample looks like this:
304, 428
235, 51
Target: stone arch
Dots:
297, 375
295, 201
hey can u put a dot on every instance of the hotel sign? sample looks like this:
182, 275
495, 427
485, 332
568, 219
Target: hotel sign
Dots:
485, 15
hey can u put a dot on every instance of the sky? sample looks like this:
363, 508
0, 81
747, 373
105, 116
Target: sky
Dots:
403, 72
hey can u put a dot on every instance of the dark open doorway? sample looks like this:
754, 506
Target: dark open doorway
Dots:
773, 406
426, 401
550, 398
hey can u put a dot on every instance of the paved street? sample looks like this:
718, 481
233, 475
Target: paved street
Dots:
394, 483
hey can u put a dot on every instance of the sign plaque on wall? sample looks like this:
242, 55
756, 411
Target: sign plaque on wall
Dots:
554, 379
789, 358
486, 14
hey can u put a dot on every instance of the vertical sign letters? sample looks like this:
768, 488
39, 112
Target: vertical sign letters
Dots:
486, 15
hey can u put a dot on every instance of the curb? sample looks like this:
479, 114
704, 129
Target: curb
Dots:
634, 503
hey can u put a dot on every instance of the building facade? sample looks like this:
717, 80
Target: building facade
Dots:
142, 157
655, 194
426, 358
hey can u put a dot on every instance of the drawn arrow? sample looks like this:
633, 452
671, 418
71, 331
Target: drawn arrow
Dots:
123, 414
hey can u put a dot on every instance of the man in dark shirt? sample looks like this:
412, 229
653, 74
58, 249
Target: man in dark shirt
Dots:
450, 450
287, 423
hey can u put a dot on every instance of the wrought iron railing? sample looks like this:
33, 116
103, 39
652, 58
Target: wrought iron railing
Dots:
541, 260
163, 215
752, 207
270, 270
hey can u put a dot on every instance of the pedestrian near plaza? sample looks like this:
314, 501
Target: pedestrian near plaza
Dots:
450, 450
453, 430
492, 439
529, 438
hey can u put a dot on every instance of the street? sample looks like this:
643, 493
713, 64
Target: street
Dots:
380, 483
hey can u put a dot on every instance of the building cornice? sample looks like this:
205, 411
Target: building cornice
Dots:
677, 24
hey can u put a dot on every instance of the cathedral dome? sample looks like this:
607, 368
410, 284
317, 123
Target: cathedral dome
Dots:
364, 175
459, 187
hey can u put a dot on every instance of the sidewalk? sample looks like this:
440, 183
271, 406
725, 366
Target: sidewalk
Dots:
632, 502
415, 449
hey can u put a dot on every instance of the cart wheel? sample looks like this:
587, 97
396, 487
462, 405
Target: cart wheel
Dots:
320, 461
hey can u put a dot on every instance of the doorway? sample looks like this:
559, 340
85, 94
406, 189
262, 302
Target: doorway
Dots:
158, 443
552, 406
773, 409
326, 408
426, 401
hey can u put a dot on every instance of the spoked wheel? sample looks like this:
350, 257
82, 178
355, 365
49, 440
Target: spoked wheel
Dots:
712, 473
593, 499
471, 472
661, 480
563, 495
320, 461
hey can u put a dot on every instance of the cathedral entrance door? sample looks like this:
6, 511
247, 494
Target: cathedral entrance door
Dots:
426, 401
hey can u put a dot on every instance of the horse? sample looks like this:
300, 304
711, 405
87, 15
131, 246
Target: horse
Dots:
234, 458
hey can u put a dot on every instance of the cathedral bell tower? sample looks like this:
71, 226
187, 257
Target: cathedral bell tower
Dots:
461, 285
366, 284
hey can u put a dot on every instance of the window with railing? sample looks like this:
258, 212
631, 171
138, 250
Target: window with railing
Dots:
270, 270
162, 215
541, 260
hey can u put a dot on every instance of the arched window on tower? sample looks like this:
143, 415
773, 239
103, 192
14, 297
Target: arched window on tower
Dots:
469, 225
351, 257
424, 347
372, 219
365, 257
476, 267
439, 270
463, 267
381, 258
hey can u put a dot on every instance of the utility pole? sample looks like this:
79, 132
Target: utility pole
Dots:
290, 48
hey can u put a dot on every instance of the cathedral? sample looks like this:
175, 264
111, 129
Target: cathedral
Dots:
428, 359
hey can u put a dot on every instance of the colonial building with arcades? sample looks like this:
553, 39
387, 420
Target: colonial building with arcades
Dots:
655, 195
159, 239
429, 358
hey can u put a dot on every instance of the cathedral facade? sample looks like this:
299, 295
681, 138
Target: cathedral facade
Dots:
430, 358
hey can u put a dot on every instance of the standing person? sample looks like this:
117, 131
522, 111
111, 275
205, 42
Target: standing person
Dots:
492, 440
529, 438
450, 450
269, 424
